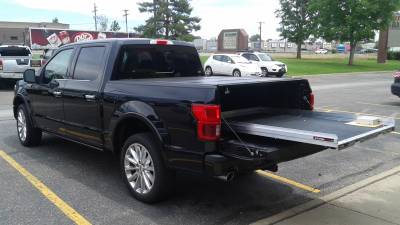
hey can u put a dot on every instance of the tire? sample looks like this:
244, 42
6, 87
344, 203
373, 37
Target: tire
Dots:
279, 75
147, 178
28, 134
265, 72
208, 71
236, 73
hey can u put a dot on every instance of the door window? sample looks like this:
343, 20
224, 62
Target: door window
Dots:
58, 66
89, 65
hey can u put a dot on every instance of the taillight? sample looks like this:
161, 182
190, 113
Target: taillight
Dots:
311, 101
1, 64
42, 62
160, 42
208, 119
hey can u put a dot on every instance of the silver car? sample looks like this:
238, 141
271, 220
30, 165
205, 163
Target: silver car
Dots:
14, 60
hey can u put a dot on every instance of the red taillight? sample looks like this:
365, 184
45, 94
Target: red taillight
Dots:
312, 101
208, 119
1, 65
160, 42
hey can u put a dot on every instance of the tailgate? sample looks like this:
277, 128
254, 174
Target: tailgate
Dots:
331, 130
15, 64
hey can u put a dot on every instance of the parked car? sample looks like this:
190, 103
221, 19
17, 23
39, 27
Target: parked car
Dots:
149, 102
367, 50
396, 84
14, 60
267, 65
321, 51
230, 64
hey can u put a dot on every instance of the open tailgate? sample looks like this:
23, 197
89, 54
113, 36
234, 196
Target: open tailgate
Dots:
331, 130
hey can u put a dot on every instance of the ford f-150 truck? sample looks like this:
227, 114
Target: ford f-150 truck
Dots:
149, 102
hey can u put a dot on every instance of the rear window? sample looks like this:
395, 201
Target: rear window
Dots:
14, 51
157, 61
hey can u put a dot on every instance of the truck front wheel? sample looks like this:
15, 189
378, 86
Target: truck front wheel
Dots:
27, 133
143, 169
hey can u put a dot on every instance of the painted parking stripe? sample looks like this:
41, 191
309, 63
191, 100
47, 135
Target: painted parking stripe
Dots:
394, 132
288, 181
49, 194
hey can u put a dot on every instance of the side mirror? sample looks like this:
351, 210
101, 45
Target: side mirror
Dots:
29, 76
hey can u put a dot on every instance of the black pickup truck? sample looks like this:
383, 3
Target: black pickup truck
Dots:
149, 102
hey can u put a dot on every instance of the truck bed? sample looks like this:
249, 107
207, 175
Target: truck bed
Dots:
318, 128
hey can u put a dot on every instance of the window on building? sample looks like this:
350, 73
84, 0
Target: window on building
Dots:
274, 45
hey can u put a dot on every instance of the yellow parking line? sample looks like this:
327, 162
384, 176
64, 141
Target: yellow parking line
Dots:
50, 195
288, 181
394, 132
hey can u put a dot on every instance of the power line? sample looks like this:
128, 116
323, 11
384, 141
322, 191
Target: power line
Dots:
95, 16
260, 28
126, 20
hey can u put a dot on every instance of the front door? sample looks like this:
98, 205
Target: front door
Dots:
46, 96
82, 96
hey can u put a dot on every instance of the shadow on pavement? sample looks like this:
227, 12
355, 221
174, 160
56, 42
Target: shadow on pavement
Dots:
197, 199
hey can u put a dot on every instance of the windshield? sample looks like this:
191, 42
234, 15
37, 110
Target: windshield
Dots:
265, 57
14, 51
240, 59
157, 61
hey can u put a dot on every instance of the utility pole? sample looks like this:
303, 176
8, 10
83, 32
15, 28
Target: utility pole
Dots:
260, 28
126, 20
95, 16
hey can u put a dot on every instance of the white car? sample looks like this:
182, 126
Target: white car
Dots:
321, 51
267, 65
230, 64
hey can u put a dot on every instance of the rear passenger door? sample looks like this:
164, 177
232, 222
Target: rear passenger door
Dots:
82, 96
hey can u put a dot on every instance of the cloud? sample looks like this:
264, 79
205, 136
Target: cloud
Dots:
215, 14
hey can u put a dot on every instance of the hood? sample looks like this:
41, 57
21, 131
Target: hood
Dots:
271, 63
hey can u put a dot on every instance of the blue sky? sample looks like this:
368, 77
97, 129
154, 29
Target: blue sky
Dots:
215, 14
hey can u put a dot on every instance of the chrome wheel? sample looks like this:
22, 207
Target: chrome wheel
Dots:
208, 71
139, 168
21, 125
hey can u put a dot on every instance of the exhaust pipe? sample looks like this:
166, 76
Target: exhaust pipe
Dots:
227, 177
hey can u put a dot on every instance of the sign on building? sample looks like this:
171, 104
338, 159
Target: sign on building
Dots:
233, 40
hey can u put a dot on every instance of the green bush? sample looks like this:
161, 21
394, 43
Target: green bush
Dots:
334, 51
393, 55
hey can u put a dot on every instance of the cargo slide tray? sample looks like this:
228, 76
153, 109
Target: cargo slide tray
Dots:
331, 130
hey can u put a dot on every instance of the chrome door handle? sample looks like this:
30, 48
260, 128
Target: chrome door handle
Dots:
90, 97
57, 94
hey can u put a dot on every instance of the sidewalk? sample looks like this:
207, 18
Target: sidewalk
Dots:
375, 200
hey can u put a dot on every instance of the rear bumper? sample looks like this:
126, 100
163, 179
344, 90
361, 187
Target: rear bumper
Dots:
238, 157
6, 75
396, 89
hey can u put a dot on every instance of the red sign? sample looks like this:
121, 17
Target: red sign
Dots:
42, 38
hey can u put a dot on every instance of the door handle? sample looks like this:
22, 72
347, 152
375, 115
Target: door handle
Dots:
90, 97
57, 94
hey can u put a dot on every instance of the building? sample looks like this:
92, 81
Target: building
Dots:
279, 46
16, 33
394, 32
232, 40
200, 44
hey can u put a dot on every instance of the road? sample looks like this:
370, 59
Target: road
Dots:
89, 182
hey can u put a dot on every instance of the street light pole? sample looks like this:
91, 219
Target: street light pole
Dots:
126, 20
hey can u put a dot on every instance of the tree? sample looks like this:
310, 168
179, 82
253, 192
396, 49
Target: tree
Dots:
352, 20
255, 38
115, 26
55, 20
103, 22
170, 19
296, 21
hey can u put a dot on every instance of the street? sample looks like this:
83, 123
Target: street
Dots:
89, 181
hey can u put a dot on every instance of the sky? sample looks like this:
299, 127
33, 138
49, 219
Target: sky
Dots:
215, 14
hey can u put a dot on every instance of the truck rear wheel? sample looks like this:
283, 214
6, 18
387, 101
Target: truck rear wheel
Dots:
143, 169
27, 133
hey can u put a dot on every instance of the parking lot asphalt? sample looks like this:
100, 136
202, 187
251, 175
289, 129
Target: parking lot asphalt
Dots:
89, 182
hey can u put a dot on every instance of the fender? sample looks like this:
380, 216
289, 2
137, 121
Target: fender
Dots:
140, 111
19, 95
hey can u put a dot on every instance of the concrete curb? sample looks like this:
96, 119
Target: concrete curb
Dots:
353, 73
326, 199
